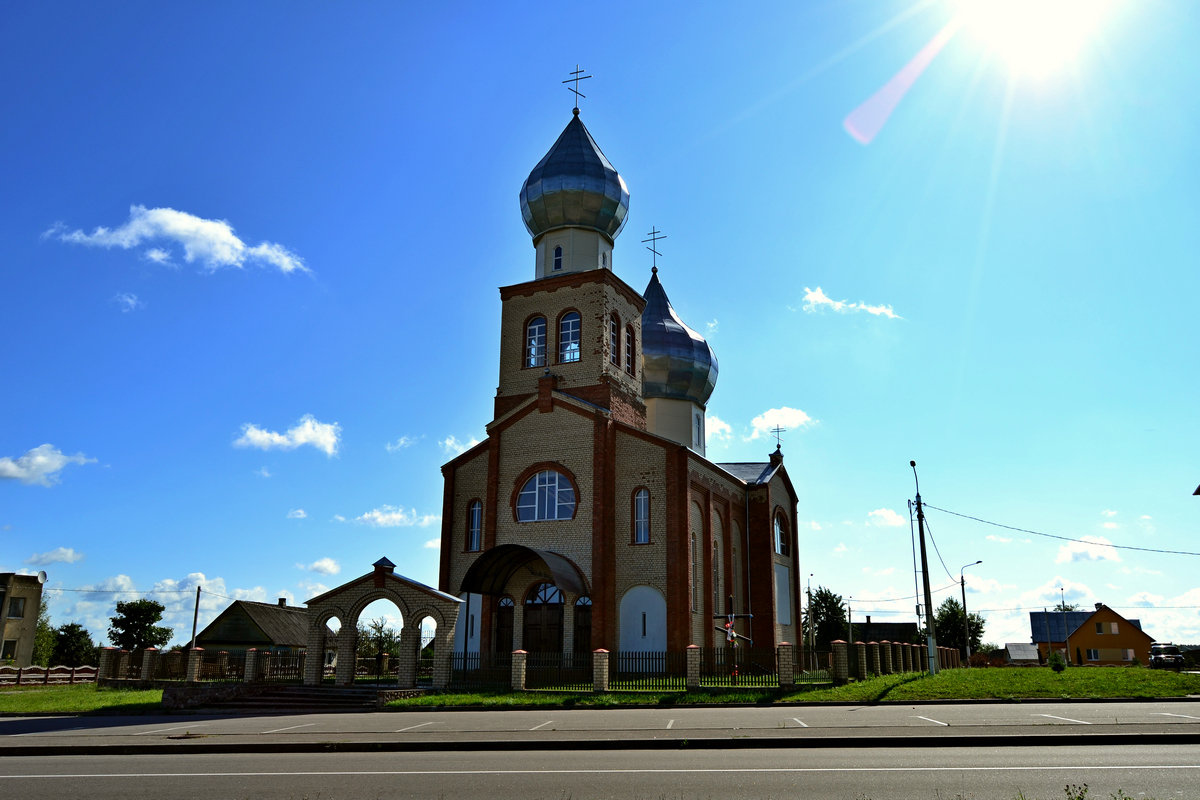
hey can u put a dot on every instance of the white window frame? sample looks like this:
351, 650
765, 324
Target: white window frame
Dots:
569, 336
535, 342
614, 339
641, 516
474, 526
558, 257
1093, 654
546, 496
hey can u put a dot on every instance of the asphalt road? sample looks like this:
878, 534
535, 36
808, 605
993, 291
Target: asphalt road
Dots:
991, 773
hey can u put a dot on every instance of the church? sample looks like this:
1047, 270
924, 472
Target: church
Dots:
590, 517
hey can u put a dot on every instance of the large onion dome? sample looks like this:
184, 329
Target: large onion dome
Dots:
574, 185
677, 362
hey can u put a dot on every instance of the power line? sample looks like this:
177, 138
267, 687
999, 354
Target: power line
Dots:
929, 528
1064, 538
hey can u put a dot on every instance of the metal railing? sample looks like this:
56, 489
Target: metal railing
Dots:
567, 672
281, 667
738, 666
648, 671
171, 666
480, 672
222, 667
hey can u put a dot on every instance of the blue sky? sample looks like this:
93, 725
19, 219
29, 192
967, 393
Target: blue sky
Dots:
250, 254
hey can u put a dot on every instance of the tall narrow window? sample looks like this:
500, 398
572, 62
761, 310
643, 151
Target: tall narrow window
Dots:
781, 536
568, 337
614, 340
474, 526
535, 342
629, 350
558, 258
547, 495
641, 516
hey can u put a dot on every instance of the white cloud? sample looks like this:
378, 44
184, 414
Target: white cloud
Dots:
338, 518
813, 525
1110, 526
1108, 512
212, 242
1089, 548
400, 444
885, 518
322, 435
816, 300
263, 472
711, 327
128, 301
453, 446
840, 549
40, 465
324, 566
433, 544
395, 517
297, 513
787, 418
716, 429
991, 537
59, 555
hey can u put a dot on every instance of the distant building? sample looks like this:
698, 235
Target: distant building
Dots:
885, 631
20, 599
1101, 637
1020, 654
245, 624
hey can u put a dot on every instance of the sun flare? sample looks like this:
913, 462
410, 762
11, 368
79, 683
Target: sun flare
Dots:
1035, 38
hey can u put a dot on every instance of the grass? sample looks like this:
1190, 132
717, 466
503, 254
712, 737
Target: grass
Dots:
83, 698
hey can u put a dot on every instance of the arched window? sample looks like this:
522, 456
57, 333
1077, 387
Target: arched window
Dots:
535, 342
614, 339
558, 258
568, 337
474, 526
547, 495
781, 535
629, 350
641, 516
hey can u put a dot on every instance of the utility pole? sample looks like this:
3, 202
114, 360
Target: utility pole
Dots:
966, 619
930, 637
195, 618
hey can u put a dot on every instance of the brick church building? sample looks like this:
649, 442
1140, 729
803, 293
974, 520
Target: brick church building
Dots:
590, 517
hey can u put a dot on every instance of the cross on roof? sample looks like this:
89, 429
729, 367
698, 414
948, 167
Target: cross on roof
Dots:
575, 78
654, 235
778, 431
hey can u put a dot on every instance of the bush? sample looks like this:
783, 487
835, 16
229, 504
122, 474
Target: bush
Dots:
1056, 661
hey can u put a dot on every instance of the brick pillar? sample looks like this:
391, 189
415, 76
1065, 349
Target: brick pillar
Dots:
693, 667
841, 662
787, 669
149, 662
873, 658
250, 674
885, 657
600, 670
860, 660
442, 665
518, 670
905, 657
105, 668
193, 667
923, 653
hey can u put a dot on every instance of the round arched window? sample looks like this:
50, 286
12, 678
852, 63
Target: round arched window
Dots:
547, 495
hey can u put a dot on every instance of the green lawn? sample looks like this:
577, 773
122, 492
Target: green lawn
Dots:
82, 698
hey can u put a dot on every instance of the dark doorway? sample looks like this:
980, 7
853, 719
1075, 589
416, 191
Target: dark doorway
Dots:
583, 625
503, 643
543, 619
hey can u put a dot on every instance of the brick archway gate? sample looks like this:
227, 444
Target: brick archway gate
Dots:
415, 601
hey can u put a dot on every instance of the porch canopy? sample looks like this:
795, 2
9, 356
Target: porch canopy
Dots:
492, 570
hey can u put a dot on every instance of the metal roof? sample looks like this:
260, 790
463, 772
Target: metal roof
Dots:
1048, 625
677, 362
750, 472
491, 571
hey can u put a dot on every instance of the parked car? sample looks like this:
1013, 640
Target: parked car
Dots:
1165, 656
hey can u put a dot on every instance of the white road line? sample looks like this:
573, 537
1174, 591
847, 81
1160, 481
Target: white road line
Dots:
670, 724
1064, 719
176, 728
798, 722
661, 771
414, 727
291, 727
934, 721
1185, 716
544, 724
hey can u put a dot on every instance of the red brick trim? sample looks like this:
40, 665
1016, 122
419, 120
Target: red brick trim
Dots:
448, 473
534, 469
575, 280
678, 594
493, 492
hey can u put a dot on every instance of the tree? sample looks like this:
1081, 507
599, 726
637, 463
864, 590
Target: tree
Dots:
73, 646
134, 628
43, 636
948, 625
1063, 607
825, 618
376, 638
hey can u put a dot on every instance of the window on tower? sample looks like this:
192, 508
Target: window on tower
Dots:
614, 340
629, 350
568, 337
535, 342
547, 495
474, 526
558, 258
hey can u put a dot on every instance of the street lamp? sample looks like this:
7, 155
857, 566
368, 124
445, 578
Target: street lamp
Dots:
966, 619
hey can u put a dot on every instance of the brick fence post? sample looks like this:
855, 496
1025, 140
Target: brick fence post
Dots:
923, 652
787, 668
193, 667
518, 670
250, 672
841, 662
860, 660
906, 656
693, 667
149, 662
104, 669
885, 657
873, 658
600, 670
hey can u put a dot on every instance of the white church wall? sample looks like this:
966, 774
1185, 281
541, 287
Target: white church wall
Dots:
643, 620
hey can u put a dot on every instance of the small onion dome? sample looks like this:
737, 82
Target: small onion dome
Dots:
677, 362
574, 185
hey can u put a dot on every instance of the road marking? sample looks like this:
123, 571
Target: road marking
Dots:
176, 728
544, 724
670, 724
541, 772
798, 722
934, 721
1185, 716
414, 727
291, 727
1064, 719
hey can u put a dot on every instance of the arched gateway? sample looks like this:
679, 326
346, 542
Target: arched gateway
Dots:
416, 601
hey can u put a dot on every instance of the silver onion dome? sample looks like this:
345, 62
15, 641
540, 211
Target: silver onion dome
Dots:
574, 185
677, 362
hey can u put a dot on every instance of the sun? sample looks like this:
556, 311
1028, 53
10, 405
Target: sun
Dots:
1035, 38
